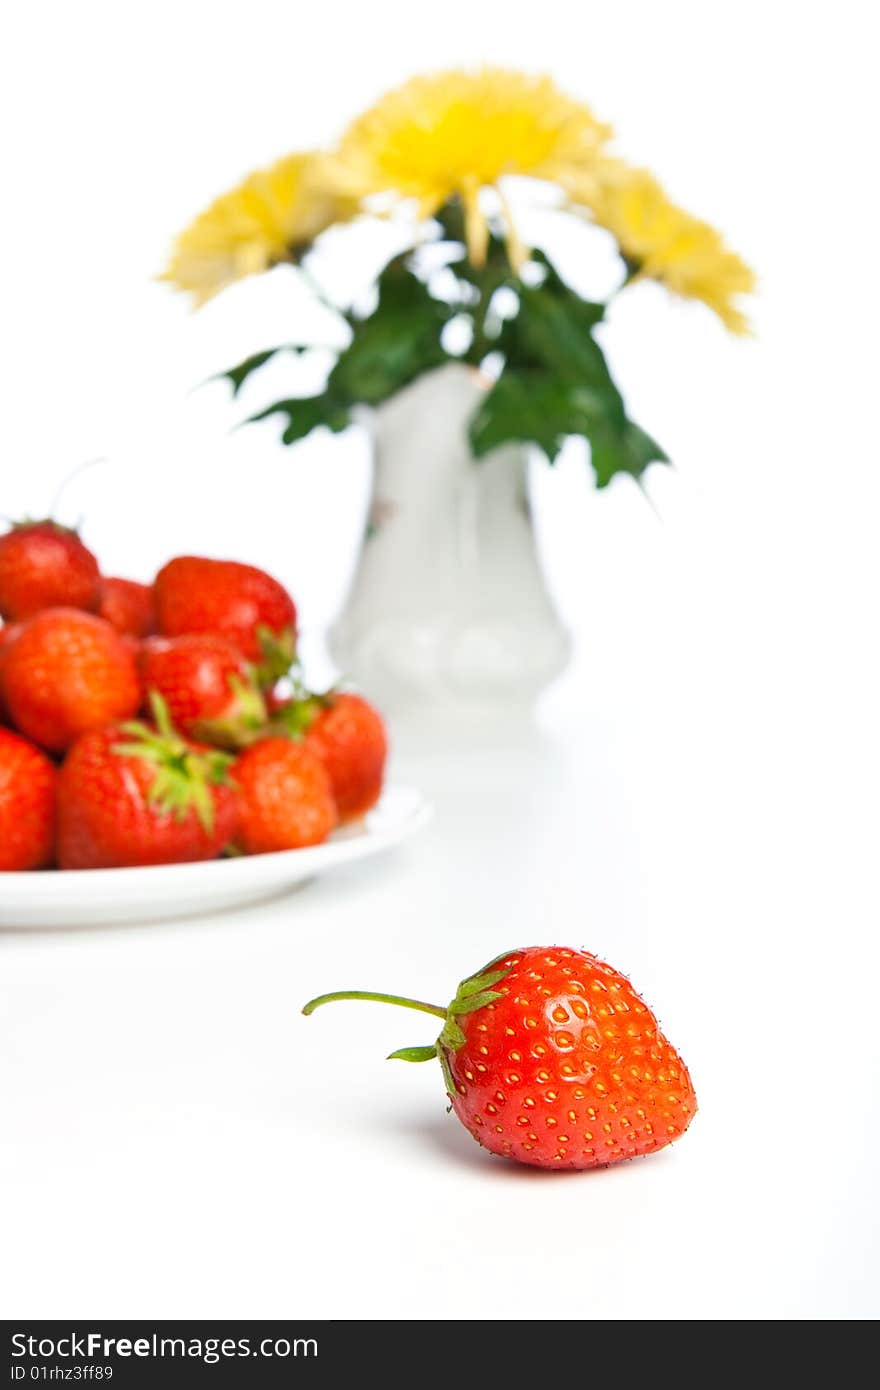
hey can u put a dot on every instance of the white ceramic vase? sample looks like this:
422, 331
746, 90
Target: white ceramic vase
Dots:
448, 606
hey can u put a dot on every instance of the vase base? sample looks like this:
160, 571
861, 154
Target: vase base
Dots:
470, 667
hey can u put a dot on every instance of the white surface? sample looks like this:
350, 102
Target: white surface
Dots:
181, 1142
449, 603
96, 897
176, 1139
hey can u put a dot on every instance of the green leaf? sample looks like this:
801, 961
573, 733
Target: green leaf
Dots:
472, 994
239, 375
398, 287
554, 330
306, 413
485, 980
447, 1075
535, 406
451, 219
413, 1054
451, 1035
629, 450
556, 383
532, 407
475, 1001
397, 343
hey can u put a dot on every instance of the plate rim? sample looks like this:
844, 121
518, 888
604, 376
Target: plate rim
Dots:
344, 847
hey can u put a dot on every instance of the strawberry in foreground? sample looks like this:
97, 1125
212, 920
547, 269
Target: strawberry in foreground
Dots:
348, 735
27, 805
127, 606
207, 685
67, 672
44, 565
552, 1059
286, 797
133, 794
239, 602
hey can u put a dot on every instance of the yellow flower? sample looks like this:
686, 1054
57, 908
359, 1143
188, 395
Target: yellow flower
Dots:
453, 133
666, 243
262, 221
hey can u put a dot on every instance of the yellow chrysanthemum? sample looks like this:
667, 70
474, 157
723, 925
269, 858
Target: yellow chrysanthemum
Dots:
668, 244
262, 221
453, 133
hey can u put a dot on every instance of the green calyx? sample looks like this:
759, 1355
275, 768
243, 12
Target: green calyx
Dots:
244, 720
277, 655
183, 775
473, 994
45, 523
297, 716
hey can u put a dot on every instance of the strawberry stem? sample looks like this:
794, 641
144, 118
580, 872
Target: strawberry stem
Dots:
376, 998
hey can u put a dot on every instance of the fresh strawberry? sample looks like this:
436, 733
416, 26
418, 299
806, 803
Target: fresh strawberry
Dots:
27, 804
132, 794
68, 672
552, 1059
239, 602
127, 606
286, 798
207, 686
348, 735
44, 565
8, 635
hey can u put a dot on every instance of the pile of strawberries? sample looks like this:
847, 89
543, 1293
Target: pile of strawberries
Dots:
156, 724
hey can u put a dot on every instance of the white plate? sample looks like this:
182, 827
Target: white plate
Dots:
88, 897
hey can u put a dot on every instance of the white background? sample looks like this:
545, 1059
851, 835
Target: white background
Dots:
701, 805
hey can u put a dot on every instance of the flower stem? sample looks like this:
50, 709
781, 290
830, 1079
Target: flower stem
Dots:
317, 289
377, 998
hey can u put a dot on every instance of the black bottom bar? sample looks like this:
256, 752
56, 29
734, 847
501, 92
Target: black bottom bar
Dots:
109, 1354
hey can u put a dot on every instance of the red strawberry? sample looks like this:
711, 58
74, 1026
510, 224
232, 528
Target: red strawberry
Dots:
551, 1058
207, 686
127, 606
8, 635
348, 735
286, 799
44, 565
68, 672
27, 804
239, 602
133, 795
